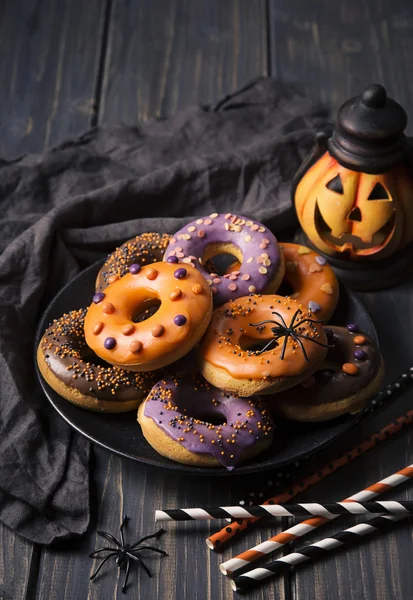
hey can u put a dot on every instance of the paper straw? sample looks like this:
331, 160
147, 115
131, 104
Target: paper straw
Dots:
309, 509
216, 540
301, 529
314, 551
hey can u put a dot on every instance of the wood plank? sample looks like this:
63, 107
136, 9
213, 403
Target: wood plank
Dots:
18, 560
48, 67
166, 54
334, 49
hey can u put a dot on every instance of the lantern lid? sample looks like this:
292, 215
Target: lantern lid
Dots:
368, 135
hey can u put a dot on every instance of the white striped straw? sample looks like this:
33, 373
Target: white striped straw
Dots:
313, 509
245, 559
313, 551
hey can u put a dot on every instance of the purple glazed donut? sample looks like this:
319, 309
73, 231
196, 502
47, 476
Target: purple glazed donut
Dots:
261, 263
189, 421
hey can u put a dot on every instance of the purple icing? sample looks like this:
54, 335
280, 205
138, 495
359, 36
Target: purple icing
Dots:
172, 259
352, 327
260, 248
360, 354
98, 297
202, 402
109, 343
180, 273
180, 320
135, 268
321, 260
313, 306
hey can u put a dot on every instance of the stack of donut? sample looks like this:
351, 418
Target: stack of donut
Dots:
212, 359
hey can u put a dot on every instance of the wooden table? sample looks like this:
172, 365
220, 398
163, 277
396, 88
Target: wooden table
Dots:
66, 66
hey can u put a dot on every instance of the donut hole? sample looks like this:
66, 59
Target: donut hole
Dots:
88, 356
213, 418
254, 345
222, 258
145, 310
285, 289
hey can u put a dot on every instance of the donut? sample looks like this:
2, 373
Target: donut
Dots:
261, 345
261, 266
311, 279
144, 249
66, 364
184, 305
351, 374
189, 421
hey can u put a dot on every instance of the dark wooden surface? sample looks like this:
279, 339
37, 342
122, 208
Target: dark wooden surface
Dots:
67, 65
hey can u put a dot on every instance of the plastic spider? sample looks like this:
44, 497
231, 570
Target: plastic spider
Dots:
124, 553
286, 331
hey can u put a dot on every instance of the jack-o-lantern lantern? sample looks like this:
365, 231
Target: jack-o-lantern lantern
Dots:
354, 193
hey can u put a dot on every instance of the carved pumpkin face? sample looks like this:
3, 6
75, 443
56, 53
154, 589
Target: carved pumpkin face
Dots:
363, 215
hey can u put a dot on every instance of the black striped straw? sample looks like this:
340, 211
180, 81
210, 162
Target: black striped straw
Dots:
311, 509
313, 551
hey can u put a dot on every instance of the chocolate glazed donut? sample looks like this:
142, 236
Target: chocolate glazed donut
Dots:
64, 361
351, 373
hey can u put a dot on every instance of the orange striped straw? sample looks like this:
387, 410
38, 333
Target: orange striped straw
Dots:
301, 529
215, 541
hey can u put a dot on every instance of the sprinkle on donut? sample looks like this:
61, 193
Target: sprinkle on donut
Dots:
255, 248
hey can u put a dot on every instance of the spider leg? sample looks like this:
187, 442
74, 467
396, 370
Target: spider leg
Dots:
298, 311
284, 348
122, 525
131, 550
101, 565
297, 339
274, 312
140, 561
110, 537
103, 549
307, 320
313, 340
268, 345
125, 582
148, 537
264, 322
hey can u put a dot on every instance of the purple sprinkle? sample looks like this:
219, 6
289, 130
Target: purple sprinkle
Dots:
98, 297
180, 273
180, 320
109, 343
172, 259
135, 268
360, 354
321, 260
329, 332
352, 327
313, 306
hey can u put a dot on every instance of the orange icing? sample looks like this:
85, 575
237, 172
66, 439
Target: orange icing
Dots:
143, 343
232, 322
310, 280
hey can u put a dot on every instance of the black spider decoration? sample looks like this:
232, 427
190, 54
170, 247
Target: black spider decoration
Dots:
286, 331
125, 552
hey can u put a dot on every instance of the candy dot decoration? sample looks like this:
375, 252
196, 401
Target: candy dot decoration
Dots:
353, 328
180, 320
98, 297
360, 354
109, 343
135, 269
180, 273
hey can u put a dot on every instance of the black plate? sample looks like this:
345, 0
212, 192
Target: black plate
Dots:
120, 433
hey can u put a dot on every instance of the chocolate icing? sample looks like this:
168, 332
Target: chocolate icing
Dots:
258, 246
183, 405
330, 384
68, 356
144, 249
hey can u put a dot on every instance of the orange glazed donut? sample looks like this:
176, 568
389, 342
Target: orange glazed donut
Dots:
184, 305
312, 280
261, 345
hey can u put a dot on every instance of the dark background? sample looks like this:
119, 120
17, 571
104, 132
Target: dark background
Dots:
69, 65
